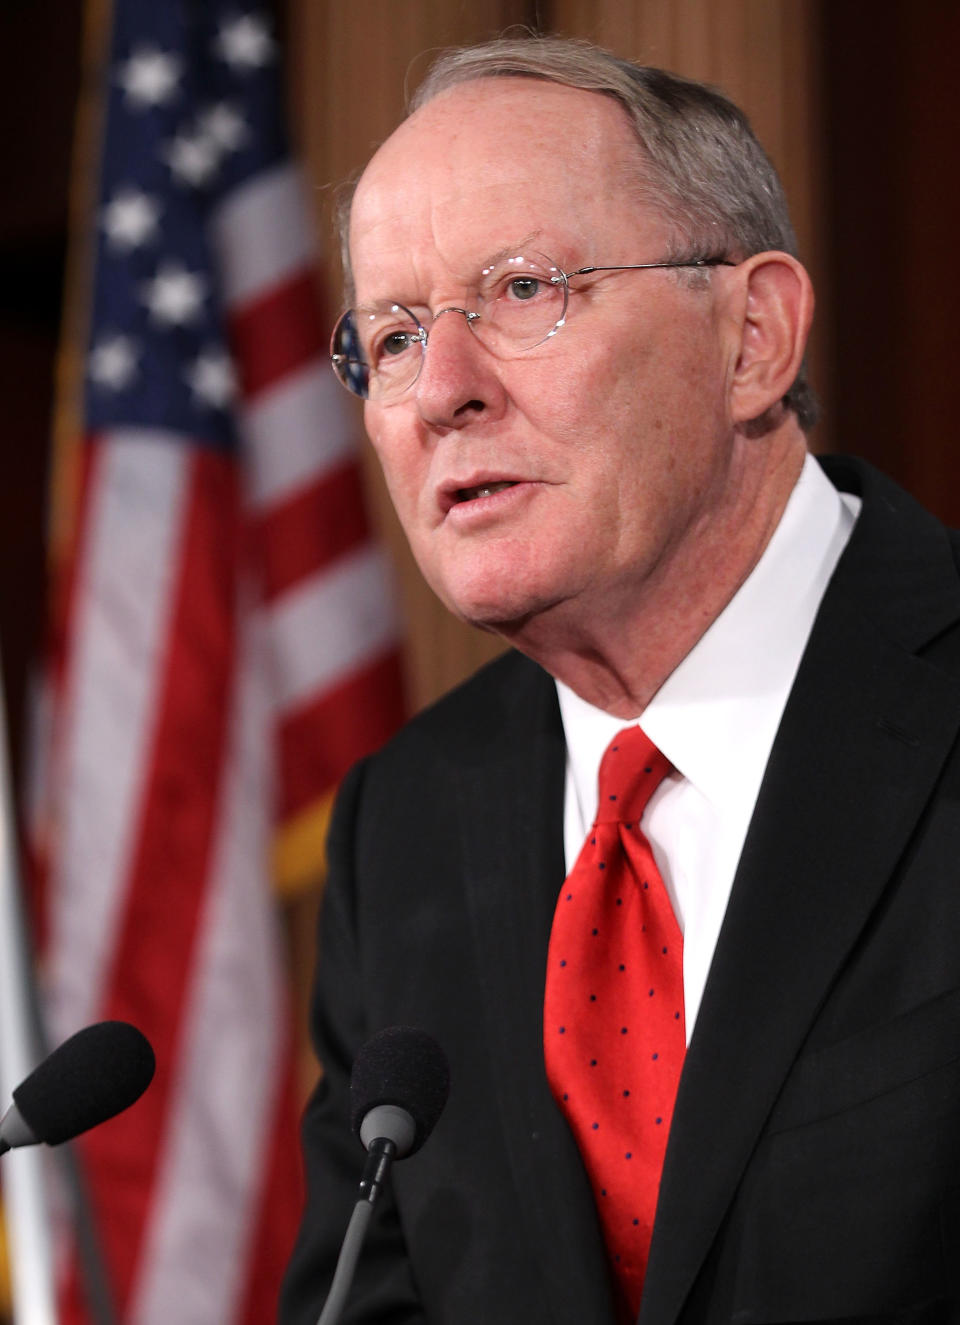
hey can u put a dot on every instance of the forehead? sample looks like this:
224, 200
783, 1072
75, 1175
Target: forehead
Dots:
489, 163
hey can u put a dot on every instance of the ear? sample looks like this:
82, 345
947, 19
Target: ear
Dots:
775, 318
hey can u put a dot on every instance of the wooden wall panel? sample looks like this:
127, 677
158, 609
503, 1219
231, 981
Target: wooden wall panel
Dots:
890, 93
350, 64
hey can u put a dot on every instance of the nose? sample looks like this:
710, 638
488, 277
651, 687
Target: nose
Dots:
458, 380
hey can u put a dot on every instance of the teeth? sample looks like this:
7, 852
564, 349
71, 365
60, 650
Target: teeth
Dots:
485, 490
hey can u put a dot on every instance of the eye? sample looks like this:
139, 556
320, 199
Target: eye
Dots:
394, 343
524, 287
389, 337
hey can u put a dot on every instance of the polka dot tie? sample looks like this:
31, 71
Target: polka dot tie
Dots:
614, 1036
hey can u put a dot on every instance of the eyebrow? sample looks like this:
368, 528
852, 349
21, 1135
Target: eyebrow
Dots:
508, 251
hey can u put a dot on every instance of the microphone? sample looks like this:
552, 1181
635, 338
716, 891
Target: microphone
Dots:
95, 1074
398, 1089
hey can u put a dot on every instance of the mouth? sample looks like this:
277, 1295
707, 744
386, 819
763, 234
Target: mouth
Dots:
482, 490
475, 487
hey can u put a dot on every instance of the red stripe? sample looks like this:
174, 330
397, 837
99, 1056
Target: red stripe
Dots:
277, 333
277, 1207
319, 742
153, 958
301, 535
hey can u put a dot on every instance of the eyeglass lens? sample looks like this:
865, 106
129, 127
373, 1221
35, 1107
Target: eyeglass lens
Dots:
518, 302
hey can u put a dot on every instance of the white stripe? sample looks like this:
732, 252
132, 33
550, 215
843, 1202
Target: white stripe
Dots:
297, 431
260, 235
335, 622
127, 575
195, 1259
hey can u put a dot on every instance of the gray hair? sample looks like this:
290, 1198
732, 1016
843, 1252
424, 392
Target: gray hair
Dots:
701, 164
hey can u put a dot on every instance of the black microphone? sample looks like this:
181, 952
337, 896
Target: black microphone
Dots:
95, 1074
398, 1089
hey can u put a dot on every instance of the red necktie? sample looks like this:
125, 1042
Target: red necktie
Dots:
614, 1035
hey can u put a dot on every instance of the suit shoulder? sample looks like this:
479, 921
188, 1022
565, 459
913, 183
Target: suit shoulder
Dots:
511, 693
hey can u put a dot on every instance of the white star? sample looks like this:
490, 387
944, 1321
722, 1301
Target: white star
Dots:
193, 158
150, 77
212, 378
175, 295
130, 218
113, 362
245, 42
224, 126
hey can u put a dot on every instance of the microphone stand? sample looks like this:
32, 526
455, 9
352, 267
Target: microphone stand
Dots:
379, 1158
22, 1045
25, 1212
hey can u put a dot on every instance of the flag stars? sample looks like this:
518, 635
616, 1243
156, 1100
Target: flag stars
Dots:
130, 219
193, 157
113, 362
212, 379
224, 126
245, 43
175, 295
150, 77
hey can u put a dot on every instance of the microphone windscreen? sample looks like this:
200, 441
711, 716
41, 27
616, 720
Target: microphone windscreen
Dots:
403, 1066
95, 1074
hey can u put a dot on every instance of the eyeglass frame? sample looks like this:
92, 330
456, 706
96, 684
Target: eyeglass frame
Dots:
471, 315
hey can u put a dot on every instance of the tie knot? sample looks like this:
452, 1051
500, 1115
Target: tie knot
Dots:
630, 771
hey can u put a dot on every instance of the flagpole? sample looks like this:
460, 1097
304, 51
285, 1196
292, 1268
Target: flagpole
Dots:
24, 1202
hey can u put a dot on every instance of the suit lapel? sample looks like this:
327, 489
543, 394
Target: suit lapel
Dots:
510, 800
864, 735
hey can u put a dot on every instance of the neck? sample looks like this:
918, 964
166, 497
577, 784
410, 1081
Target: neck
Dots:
618, 650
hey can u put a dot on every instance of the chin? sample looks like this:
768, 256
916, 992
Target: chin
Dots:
502, 591
505, 613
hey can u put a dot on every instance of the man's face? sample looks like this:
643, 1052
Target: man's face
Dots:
613, 434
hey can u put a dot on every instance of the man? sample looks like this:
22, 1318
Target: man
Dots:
606, 464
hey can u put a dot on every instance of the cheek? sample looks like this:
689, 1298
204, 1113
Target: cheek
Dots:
400, 457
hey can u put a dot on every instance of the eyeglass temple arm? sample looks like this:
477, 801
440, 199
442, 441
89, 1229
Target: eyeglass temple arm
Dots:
646, 266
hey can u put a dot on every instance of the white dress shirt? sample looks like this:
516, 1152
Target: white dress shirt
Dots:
715, 718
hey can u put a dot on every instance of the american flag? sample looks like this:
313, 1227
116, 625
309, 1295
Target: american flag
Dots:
224, 646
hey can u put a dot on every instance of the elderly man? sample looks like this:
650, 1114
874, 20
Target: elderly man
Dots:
705, 1054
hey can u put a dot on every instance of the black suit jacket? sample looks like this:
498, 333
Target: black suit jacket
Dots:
813, 1167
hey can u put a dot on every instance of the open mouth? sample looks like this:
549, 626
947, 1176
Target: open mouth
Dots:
483, 490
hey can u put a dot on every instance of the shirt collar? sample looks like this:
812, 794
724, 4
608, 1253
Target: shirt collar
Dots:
716, 715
